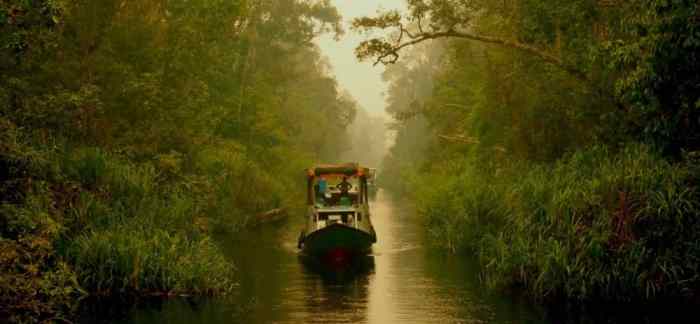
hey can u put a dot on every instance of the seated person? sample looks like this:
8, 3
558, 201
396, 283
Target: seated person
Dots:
344, 186
321, 188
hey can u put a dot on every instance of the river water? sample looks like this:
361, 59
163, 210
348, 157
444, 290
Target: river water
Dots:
403, 281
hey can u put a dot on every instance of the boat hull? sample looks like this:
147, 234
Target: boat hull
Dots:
338, 239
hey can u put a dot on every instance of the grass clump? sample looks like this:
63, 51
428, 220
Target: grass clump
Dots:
150, 261
139, 232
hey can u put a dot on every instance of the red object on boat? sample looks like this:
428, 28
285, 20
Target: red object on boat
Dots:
338, 256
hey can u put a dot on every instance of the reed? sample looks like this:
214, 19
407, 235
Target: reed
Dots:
596, 224
133, 259
137, 232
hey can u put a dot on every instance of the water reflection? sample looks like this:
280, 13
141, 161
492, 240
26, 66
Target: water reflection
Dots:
407, 288
336, 292
355, 269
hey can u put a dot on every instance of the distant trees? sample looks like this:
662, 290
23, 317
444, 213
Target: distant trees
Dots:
368, 142
622, 51
152, 75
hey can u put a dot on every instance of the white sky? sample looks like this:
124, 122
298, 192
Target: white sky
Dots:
361, 79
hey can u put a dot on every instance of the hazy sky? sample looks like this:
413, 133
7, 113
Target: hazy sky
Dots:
361, 79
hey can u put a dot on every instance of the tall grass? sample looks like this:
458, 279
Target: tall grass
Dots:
459, 207
150, 260
138, 232
596, 224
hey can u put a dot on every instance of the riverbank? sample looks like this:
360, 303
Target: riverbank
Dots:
595, 225
85, 222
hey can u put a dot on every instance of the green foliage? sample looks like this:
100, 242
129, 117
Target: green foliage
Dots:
130, 131
141, 238
87, 167
595, 225
150, 260
586, 66
460, 207
35, 281
523, 121
659, 53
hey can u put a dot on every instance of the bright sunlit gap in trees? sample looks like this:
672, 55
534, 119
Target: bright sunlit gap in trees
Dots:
361, 79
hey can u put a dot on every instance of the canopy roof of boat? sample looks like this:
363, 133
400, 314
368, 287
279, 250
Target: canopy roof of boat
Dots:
344, 169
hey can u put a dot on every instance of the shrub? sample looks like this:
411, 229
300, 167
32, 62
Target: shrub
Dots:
35, 282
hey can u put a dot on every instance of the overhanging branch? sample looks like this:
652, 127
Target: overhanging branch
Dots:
393, 53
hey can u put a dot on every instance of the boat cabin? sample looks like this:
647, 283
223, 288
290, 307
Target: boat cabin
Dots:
337, 185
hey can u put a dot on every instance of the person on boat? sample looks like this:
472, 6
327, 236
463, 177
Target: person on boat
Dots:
321, 188
344, 186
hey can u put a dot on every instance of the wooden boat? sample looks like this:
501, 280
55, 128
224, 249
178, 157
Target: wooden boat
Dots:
338, 223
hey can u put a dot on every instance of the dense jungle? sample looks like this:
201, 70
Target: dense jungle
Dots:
547, 150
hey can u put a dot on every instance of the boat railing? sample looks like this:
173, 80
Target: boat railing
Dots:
345, 218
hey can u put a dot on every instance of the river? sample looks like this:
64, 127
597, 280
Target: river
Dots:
403, 281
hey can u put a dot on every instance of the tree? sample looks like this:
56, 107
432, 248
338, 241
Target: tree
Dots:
433, 19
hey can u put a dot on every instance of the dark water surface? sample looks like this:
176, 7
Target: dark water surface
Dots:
401, 282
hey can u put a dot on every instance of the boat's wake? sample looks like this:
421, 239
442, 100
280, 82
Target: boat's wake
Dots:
379, 251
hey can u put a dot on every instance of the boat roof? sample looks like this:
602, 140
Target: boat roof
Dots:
342, 169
